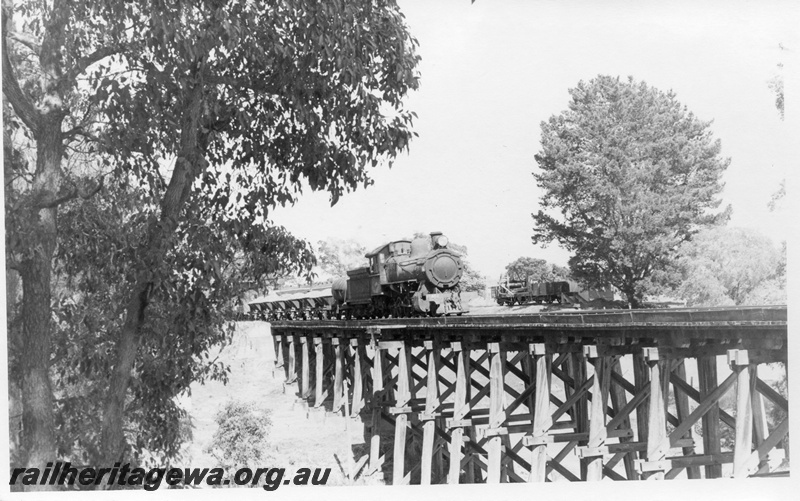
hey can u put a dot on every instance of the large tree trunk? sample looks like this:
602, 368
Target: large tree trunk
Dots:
112, 438
38, 420
187, 166
38, 237
37, 394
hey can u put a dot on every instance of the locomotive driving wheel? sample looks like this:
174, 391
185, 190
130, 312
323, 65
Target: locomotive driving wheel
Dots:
381, 307
400, 305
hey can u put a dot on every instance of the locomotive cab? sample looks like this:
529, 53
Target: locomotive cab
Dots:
380, 258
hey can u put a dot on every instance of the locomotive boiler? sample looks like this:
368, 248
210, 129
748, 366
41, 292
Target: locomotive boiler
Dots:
403, 278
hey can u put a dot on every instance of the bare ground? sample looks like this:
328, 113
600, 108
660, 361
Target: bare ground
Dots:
299, 437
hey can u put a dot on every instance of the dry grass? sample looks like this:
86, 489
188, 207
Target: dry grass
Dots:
299, 437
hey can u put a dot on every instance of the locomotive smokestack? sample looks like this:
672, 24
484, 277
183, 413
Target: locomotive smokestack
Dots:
438, 240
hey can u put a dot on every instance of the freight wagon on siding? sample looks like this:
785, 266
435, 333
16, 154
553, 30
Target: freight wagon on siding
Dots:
565, 292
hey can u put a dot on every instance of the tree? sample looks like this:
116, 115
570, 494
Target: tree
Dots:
748, 269
632, 174
95, 265
539, 270
471, 279
335, 257
53, 47
266, 98
221, 110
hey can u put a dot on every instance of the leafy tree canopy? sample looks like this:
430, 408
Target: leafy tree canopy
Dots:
472, 280
746, 269
217, 111
336, 256
628, 174
539, 270
189, 313
278, 94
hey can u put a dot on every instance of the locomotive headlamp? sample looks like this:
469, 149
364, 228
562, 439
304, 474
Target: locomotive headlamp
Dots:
442, 241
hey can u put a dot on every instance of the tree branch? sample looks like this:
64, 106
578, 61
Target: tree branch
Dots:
25, 39
24, 175
215, 79
72, 194
89, 60
19, 101
73, 132
79, 130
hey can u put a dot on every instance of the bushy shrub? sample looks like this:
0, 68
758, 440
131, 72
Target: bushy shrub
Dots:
241, 437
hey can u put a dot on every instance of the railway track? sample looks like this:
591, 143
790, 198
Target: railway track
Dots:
761, 329
759, 319
673, 316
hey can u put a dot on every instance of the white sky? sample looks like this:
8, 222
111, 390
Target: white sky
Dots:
492, 71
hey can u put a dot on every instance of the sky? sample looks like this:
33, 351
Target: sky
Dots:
492, 71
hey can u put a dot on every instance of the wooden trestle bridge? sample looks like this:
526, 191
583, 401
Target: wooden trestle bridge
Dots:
618, 394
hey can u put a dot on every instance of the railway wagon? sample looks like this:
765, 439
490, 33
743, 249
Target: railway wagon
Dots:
510, 292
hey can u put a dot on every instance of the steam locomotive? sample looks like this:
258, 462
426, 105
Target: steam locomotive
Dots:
403, 278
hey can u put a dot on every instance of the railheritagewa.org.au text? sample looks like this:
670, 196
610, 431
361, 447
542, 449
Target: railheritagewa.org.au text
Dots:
150, 479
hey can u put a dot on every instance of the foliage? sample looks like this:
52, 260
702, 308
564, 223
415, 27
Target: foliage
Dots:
188, 314
471, 279
267, 99
628, 174
747, 269
241, 437
775, 84
41, 60
336, 256
539, 270
286, 94
778, 197
217, 111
